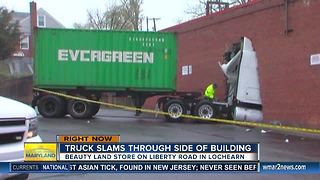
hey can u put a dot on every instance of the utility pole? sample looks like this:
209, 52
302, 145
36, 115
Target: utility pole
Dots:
154, 28
147, 23
220, 5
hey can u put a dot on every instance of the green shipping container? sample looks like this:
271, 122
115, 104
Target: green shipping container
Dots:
105, 60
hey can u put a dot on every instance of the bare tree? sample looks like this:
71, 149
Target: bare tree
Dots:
132, 11
125, 16
214, 6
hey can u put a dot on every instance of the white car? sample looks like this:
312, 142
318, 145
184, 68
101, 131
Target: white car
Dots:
18, 124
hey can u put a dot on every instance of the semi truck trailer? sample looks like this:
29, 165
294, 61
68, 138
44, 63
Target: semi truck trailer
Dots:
88, 63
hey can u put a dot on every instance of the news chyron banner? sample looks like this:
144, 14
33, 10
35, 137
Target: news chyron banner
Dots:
147, 152
106, 154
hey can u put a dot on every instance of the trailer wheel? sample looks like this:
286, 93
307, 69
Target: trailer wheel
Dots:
51, 106
175, 109
79, 109
204, 109
95, 109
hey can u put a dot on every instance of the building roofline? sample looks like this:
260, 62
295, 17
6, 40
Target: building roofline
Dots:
215, 14
22, 19
28, 17
52, 18
25, 18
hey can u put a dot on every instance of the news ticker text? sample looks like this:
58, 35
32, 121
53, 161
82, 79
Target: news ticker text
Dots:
161, 167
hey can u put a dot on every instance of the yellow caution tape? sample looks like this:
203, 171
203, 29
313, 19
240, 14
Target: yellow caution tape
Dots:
236, 122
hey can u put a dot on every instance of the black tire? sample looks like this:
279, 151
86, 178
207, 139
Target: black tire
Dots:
205, 109
79, 109
175, 108
51, 106
95, 109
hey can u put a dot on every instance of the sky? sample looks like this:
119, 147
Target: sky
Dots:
69, 12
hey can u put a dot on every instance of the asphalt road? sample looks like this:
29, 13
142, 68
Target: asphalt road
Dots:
274, 146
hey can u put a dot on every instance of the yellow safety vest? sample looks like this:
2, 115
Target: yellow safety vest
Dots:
209, 93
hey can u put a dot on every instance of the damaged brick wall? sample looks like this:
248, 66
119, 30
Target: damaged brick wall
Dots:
289, 84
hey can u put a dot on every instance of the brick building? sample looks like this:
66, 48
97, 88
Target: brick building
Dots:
285, 34
20, 62
43, 20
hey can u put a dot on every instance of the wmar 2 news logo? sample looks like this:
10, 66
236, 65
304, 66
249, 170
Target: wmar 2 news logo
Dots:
40, 152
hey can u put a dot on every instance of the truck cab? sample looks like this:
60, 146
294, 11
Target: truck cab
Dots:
242, 100
243, 88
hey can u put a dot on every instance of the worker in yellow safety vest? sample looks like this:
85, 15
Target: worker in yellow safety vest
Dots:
210, 91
